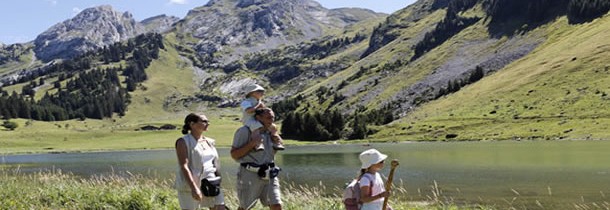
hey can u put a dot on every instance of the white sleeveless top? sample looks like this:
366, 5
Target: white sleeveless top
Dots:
203, 161
377, 188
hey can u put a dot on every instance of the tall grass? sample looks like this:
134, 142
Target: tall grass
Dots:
55, 189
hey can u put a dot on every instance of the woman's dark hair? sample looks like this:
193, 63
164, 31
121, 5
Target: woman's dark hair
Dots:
192, 117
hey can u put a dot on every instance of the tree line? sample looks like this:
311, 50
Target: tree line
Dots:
451, 25
586, 10
329, 124
96, 93
540, 10
320, 50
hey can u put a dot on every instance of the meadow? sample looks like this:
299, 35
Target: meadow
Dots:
58, 190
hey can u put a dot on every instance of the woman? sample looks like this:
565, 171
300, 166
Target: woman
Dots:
372, 190
197, 160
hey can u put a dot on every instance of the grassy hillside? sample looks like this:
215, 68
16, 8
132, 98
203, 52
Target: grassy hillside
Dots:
548, 82
168, 77
559, 91
23, 60
396, 50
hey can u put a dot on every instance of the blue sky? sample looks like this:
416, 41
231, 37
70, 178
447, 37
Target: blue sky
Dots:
22, 20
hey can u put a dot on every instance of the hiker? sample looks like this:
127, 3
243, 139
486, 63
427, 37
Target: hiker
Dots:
198, 174
372, 189
252, 101
257, 175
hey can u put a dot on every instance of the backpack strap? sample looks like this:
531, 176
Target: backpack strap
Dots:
371, 184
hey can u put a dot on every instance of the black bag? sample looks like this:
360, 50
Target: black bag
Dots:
211, 187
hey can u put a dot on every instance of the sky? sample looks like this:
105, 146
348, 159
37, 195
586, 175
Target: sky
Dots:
22, 20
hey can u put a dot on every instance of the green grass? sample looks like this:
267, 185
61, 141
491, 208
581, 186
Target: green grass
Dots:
25, 59
93, 135
101, 135
57, 190
170, 78
559, 91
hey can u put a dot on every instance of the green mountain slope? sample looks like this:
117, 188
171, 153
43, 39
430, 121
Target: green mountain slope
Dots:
437, 70
558, 91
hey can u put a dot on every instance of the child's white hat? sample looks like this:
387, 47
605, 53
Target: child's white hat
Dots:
370, 157
251, 88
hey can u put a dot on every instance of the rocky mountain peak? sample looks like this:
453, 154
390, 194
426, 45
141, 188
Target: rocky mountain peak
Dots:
244, 26
159, 23
90, 29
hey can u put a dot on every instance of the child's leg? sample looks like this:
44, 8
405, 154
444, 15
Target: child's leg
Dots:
275, 138
256, 136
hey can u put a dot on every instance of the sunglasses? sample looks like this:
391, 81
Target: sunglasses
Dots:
204, 121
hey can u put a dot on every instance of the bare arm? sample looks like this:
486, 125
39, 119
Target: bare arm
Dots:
239, 152
183, 162
365, 191
257, 106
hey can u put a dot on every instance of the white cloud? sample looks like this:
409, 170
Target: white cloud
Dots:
178, 2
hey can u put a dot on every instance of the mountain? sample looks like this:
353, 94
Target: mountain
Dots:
478, 70
225, 30
90, 29
159, 24
435, 70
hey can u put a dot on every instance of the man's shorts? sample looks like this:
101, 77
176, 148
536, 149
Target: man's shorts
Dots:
250, 188
186, 200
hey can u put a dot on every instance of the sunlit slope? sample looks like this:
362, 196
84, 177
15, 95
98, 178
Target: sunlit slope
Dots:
169, 77
399, 49
559, 91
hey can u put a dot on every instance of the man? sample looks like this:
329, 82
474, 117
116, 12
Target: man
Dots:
257, 175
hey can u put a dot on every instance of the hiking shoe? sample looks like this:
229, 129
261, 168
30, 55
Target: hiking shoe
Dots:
260, 147
278, 147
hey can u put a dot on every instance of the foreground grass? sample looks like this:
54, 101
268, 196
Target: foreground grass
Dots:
57, 190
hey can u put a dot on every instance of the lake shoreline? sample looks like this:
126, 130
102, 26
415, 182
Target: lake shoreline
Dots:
309, 143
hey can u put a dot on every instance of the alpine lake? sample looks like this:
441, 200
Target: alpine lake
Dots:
522, 174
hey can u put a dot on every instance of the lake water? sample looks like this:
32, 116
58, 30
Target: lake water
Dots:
554, 174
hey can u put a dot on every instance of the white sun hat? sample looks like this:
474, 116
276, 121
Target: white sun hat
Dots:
370, 157
253, 87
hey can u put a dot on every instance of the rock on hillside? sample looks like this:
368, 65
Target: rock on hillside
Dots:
90, 29
228, 29
159, 24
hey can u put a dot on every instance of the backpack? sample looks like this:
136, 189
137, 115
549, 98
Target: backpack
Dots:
351, 194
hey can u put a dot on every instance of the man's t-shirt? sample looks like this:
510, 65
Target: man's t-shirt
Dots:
241, 138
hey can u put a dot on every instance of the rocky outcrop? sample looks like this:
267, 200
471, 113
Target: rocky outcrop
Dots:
90, 29
159, 24
229, 29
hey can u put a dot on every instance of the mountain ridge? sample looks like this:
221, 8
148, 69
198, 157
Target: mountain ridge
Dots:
399, 69
92, 28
